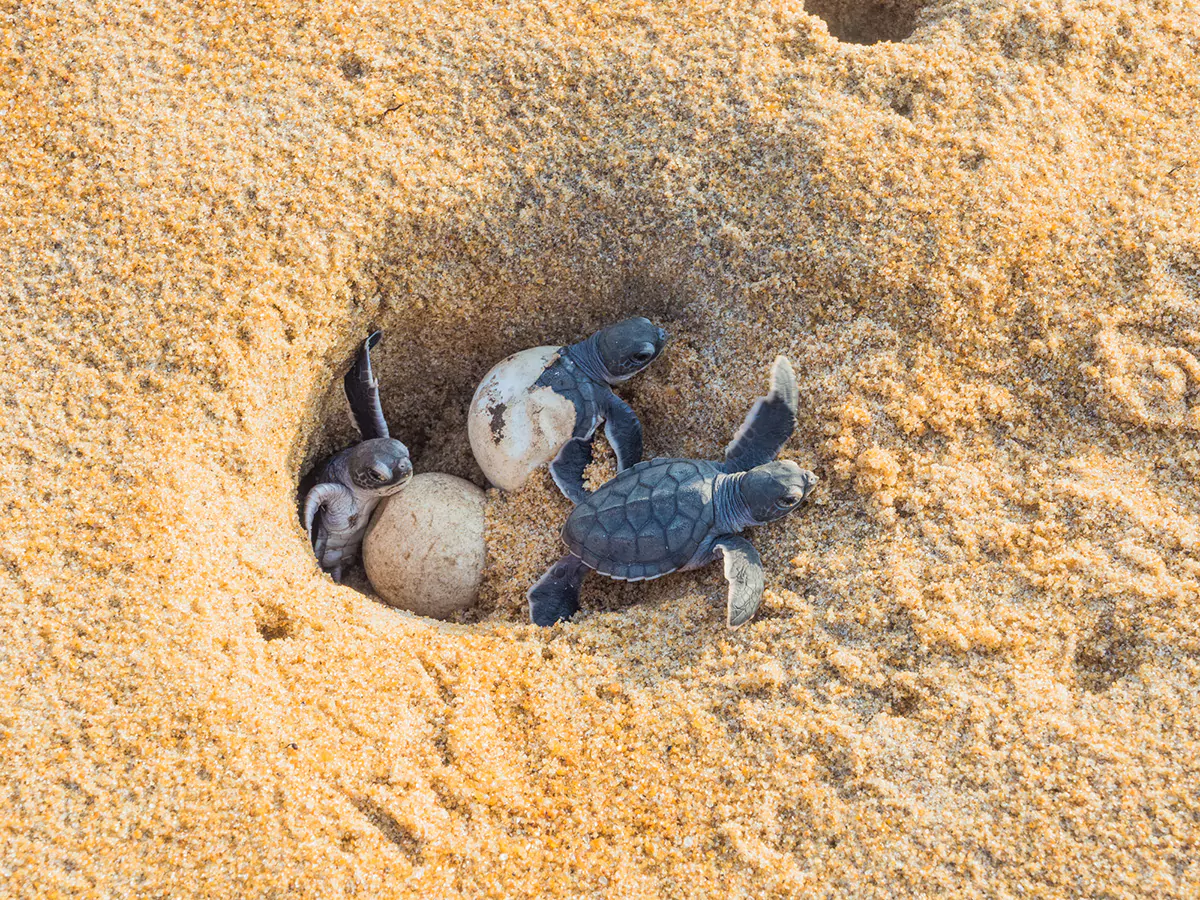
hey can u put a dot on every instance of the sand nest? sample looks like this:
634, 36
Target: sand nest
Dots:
975, 670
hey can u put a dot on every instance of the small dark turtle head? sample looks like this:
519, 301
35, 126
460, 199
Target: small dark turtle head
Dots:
380, 465
629, 346
773, 490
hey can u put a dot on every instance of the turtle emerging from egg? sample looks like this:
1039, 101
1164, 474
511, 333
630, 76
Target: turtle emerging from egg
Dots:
668, 515
545, 404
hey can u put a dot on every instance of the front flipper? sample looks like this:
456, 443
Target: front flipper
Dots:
769, 424
555, 597
567, 468
362, 392
325, 506
744, 572
623, 431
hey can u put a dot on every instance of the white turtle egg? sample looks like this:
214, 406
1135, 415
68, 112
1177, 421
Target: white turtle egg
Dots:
424, 549
515, 427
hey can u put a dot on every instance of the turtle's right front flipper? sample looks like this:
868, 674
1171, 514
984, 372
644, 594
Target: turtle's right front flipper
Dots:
555, 597
744, 572
362, 392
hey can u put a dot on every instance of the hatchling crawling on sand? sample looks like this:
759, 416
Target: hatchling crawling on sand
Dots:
351, 484
545, 404
668, 515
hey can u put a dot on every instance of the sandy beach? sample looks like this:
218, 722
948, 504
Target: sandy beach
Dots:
971, 225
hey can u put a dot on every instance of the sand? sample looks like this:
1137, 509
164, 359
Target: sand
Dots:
975, 670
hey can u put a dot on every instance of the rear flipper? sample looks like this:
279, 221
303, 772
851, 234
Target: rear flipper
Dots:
567, 468
555, 597
744, 572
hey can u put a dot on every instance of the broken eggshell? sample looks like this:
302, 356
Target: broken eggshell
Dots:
515, 427
424, 550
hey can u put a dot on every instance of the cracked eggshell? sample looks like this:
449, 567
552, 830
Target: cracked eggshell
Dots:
515, 428
424, 549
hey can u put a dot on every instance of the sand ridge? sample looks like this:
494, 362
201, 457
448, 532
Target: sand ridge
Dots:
974, 670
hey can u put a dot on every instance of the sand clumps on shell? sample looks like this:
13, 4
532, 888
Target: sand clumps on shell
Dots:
971, 227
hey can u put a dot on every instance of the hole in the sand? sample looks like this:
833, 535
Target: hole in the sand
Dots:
353, 66
902, 106
272, 624
868, 21
429, 364
902, 701
1111, 652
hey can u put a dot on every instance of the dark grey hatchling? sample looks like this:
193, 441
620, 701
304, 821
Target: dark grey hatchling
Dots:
668, 515
350, 485
584, 374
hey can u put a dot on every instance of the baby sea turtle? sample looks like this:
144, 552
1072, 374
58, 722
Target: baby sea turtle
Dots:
350, 485
546, 403
667, 515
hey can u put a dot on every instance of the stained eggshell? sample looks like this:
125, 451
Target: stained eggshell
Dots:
424, 549
514, 427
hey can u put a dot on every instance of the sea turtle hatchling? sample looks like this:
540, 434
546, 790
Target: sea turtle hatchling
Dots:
543, 405
668, 515
350, 485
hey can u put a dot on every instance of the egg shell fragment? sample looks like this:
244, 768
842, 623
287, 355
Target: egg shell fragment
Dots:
514, 427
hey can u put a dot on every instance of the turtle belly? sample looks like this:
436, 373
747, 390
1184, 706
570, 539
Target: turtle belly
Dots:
649, 521
342, 547
514, 425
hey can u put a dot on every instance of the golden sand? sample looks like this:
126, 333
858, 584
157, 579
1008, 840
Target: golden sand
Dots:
975, 670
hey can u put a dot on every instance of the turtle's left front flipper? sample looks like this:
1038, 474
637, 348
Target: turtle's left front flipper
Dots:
769, 424
744, 572
362, 392
567, 468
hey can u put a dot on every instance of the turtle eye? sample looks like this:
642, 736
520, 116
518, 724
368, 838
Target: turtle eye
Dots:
377, 475
644, 354
787, 501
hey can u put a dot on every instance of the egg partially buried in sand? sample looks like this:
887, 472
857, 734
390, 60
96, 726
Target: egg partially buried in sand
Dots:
514, 425
424, 550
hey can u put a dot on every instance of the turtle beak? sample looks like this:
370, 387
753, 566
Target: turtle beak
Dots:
810, 482
402, 472
662, 336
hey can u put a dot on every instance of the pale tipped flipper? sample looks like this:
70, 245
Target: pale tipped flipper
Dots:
744, 572
769, 423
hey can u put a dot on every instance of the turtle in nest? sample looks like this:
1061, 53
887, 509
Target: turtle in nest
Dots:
670, 515
337, 509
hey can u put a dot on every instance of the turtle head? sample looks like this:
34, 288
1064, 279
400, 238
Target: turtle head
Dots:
773, 490
628, 347
380, 466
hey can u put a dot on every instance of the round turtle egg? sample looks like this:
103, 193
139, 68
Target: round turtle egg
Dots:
424, 549
515, 426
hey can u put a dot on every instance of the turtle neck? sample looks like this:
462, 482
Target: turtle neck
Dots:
586, 356
733, 515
